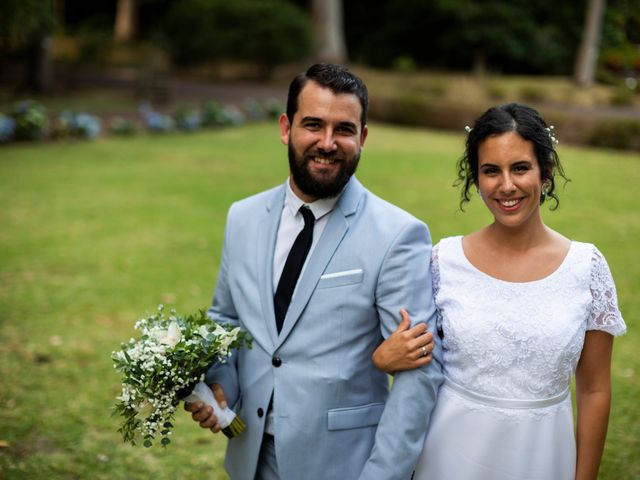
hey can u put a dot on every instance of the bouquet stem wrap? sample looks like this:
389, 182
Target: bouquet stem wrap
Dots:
231, 424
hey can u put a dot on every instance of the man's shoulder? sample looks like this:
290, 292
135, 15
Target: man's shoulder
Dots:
387, 211
264, 199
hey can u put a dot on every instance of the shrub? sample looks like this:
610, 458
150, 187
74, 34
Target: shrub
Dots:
121, 127
404, 64
232, 115
621, 134
253, 109
212, 114
496, 92
187, 119
86, 126
533, 94
61, 125
30, 120
621, 97
273, 107
155, 121
267, 32
78, 125
7, 128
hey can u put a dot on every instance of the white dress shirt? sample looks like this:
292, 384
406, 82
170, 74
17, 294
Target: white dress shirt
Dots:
291, 224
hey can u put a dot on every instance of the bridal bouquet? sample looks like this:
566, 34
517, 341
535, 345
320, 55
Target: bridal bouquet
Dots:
166, 365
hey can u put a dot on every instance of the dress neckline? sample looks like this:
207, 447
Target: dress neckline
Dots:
528, 282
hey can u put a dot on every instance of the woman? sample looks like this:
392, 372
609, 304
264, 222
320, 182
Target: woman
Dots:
521, 309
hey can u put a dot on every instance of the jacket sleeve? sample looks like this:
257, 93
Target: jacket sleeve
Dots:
405, 281
223, 311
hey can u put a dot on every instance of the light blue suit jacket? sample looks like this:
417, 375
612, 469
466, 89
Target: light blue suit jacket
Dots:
334, 415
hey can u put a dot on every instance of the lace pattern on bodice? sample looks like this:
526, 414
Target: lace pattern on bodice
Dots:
520, 340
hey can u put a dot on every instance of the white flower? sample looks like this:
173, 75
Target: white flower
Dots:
203, 331
145, 409
170, 337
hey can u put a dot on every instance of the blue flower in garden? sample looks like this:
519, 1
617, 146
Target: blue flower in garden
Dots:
87, 126
273, 107
254, 110
188, 120
7, 128
156, 122
232, 115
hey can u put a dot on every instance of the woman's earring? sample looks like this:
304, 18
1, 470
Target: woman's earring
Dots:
543, 194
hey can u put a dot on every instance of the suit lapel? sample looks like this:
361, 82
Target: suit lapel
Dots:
266, 244
332, 235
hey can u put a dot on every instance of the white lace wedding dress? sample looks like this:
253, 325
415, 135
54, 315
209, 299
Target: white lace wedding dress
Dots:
510, 351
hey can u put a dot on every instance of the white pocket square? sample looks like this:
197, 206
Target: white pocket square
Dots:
344, 273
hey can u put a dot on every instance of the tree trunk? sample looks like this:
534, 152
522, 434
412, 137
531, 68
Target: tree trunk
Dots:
40, 64
328, 25
126, 21
587, 58
480, 63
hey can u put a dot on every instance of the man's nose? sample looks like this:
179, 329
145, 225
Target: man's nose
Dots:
327, 141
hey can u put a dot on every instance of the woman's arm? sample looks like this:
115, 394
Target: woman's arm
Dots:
406, 348
593, 394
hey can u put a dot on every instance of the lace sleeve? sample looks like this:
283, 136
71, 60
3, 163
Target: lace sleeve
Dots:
435, 279
604, 314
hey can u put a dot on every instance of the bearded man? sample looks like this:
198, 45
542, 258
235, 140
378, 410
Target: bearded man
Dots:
317, 270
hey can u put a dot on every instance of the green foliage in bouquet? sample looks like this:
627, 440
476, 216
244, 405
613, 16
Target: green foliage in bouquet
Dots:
162, 367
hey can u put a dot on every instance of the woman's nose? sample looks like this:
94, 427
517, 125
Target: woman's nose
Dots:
507, 184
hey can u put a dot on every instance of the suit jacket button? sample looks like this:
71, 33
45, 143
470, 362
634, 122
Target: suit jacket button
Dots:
276, 362
260, 412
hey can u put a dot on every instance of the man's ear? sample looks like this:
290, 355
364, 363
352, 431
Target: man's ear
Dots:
363, 135
285, 128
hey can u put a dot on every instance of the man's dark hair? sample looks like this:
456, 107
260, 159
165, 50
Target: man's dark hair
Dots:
334, 77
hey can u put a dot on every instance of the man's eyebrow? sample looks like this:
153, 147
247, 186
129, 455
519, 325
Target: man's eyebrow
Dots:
311, 119
348, 124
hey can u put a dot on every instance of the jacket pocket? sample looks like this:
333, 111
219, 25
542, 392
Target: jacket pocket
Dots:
355, 417
339, 279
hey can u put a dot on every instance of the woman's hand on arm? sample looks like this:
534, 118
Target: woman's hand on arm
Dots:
406, 348
593, 396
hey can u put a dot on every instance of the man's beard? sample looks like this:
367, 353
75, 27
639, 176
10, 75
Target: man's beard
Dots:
320, 187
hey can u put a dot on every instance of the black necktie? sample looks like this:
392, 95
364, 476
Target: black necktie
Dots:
293, 267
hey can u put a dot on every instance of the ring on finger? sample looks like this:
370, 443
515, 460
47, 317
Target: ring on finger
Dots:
424, 351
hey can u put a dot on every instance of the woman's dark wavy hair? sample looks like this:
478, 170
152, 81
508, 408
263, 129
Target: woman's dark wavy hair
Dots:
334, 77
527, 123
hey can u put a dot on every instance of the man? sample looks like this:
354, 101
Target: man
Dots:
314, 404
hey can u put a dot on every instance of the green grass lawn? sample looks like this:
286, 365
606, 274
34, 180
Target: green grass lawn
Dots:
93, 235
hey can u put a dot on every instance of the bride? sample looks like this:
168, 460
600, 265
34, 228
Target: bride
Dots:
521, 310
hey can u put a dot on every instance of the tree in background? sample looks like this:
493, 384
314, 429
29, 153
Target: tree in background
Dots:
587, 58
620, 46
266, 32
516, 36
328, 28
126, 24
26, 28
